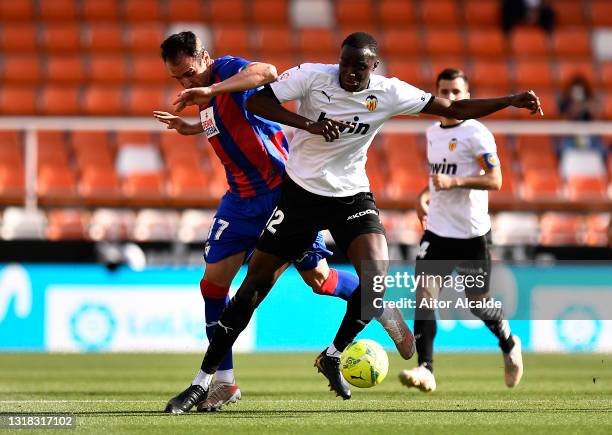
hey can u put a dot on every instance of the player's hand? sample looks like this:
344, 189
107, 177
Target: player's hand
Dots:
442, 182
328, 128
172, 122
190, 97
528, 100
422, 209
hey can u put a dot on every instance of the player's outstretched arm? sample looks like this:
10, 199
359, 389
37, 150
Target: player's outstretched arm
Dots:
174, 122
476, 108
252, 76
490, 180
265, 104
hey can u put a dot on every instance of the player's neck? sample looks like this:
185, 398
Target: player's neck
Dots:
446, 122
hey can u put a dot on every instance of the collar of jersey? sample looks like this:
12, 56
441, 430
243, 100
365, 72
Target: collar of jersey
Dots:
454, 125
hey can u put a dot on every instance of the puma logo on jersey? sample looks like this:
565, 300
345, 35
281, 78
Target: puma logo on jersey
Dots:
327, 95
361, 213
356, 127
443, 168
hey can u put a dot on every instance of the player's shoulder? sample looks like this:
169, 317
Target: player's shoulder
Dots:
433, 128
475, 126
386, 83
321, 70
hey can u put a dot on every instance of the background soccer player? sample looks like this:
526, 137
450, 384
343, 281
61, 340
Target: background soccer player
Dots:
253, 152
327, 187
463, 163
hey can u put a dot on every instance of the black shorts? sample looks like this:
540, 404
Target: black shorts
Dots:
300, 215
442, 255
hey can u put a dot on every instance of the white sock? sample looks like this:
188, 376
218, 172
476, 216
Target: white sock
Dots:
203, 379
226, 376
332, 351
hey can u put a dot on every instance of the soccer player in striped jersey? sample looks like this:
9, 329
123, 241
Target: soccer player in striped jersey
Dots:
253, 152
453, 209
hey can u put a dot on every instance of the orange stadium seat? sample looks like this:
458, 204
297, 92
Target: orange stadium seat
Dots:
65, 69
395, 12
56, 182
481, 13
406, 184
144, 38
17, 100
533, 73
490, 73
316, 41
439, 12
99, 184
354, 12
273, 40
170, 141
142, 100
607, 105
597, 227
52, 144
509, 188
12, 11
185, 11
437, 64
61, 38
282, 63
486, 43
67, 224
18, 38
270, 12
126, 137
100, 10
560, 229
108, 68
606, 74
581, 187
143, 186
59, 100
444, 41
399, 41
187, 183
103, 100
601, 13
569, 68
11, 155
142, 10
529, 42
90, 140
231, 39
569, 12
10, 138
223, 12
12, 183
410, 71
104, 38
572, 42
540, 185
149, 69
57, 10
20, 69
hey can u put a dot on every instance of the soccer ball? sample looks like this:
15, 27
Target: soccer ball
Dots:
364, 363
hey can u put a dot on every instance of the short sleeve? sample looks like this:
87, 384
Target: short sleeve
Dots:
291, 85
409, 99
484, 148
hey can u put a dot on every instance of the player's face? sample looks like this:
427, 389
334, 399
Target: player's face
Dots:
190, 71
455, 89
356, 65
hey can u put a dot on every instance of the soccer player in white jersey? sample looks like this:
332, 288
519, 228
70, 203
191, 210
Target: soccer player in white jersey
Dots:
463, 165
341, 109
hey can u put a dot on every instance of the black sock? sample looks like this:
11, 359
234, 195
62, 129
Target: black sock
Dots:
425, 328
234, 320
493, 318
352, 323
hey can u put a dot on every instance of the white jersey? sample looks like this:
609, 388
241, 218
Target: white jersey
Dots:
463, 150
338, 168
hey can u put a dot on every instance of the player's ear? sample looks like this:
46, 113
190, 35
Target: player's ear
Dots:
375, 65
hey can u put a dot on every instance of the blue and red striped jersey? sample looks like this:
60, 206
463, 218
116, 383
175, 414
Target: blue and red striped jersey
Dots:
253, 150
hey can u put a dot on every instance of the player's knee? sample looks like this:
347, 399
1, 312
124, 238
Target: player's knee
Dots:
318, 282
212, 291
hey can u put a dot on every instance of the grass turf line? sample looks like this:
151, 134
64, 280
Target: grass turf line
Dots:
282, 393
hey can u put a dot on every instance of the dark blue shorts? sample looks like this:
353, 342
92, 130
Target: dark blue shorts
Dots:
240, 221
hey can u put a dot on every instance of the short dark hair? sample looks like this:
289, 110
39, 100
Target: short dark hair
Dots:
361, 40
180, 44
452, 74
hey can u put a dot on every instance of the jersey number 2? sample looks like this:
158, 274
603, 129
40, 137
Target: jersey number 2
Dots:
278, 217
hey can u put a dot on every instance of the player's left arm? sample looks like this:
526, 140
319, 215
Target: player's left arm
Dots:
477, 108
251, 76
490, 180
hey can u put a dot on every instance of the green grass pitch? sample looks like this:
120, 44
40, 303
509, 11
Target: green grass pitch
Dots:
282, 393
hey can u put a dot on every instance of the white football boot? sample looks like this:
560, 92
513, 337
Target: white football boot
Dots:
220, 394
419, 377
513, 364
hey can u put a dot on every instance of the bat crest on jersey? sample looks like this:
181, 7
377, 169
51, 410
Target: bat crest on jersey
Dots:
452, 145
371, 102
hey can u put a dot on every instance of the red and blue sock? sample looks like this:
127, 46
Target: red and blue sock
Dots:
340, 284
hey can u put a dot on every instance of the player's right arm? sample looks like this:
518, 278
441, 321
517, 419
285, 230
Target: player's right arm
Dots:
265, 104
177, 123
422, 206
